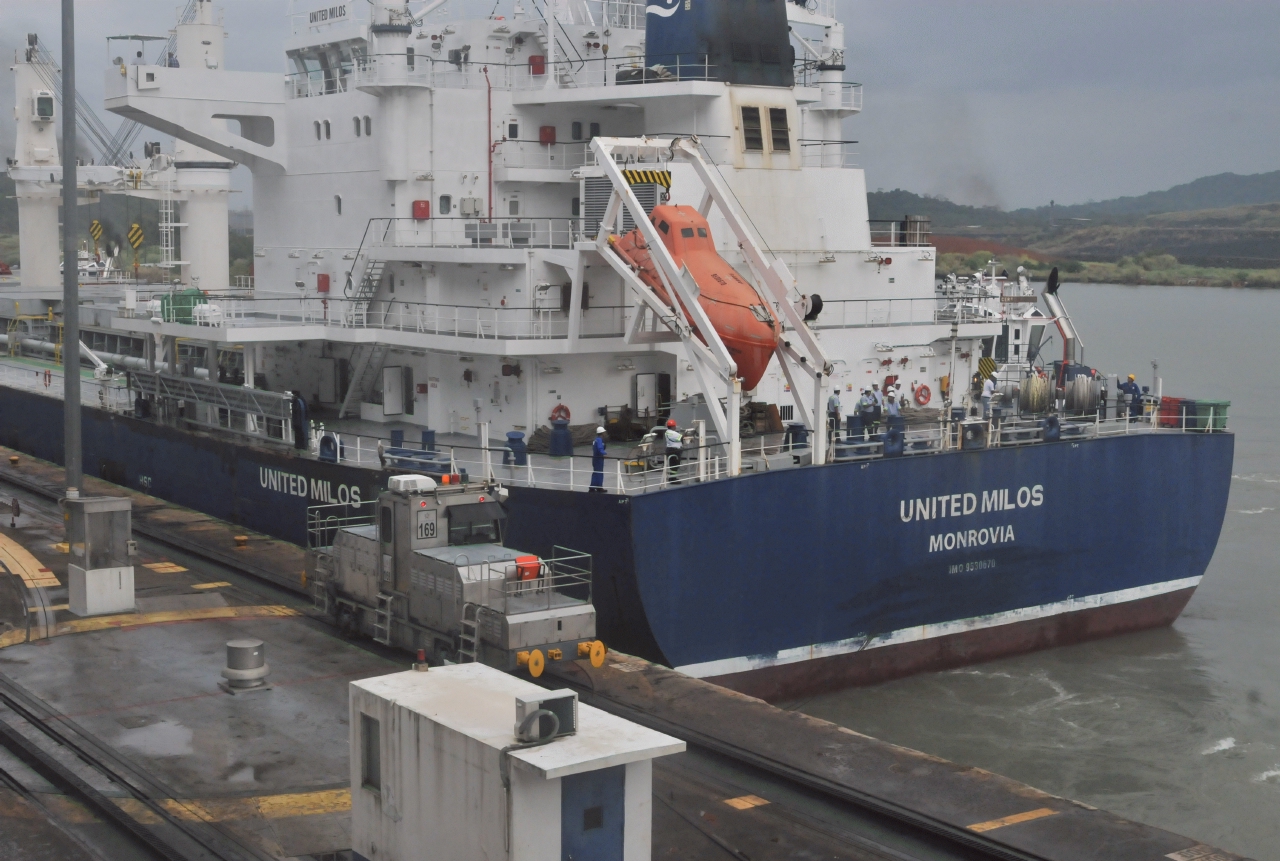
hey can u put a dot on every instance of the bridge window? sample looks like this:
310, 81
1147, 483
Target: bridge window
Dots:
368, 127
576, 131
594, 130
513, 131
752, 135
337, 202
446, 204
780, 136
317, 125
575, 207
326, 129
356, 122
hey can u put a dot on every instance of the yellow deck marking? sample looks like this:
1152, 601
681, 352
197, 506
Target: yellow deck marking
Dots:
54, 607
1012, 820
165, 567
315, 803
60, 547
217, 585
745, 802
20, 561
134, 620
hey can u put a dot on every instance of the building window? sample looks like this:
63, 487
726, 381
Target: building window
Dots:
752, 136
575, 208
337, 202
317, 125
575, 131
368, 126
595, 130
326, 129
356, 122
446, 203
513, 131
370, 753
780, 136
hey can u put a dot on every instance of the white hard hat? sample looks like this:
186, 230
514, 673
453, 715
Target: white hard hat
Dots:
599, 430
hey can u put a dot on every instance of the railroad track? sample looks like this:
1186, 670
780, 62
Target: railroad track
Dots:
75, 762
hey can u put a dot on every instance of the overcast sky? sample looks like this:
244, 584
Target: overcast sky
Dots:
1006, 102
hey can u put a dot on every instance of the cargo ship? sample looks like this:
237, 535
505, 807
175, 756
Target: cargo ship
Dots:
478, 240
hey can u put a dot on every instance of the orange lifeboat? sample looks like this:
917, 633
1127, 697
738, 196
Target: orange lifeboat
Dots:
745, 325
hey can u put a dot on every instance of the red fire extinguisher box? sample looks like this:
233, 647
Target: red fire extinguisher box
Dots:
537, 64
421, 209
547, 134
322, 282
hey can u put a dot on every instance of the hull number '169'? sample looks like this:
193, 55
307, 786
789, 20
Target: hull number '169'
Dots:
427, 524
964, 504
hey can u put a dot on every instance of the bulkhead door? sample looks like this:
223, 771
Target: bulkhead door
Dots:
386, 546
592, 815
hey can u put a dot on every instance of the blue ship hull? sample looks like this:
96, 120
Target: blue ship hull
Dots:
786, 582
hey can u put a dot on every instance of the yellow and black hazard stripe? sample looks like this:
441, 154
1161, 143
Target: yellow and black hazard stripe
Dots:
135, 235
986, 366
648, 177
95, 229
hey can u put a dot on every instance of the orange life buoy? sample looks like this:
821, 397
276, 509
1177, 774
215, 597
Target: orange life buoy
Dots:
922, 395
560, 413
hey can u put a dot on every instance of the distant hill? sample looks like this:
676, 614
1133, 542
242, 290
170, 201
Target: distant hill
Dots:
1209, 192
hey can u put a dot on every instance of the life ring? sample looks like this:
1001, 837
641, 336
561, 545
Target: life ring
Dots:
922, 395
560, 413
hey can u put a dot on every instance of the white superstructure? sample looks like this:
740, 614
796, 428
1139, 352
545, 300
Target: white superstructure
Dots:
428, 204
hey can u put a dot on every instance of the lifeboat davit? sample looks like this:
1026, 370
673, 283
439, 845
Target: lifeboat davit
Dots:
745, 325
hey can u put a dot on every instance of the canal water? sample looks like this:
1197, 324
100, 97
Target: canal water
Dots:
1177, 727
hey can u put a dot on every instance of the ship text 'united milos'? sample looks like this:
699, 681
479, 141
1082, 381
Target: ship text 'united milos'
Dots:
963, 504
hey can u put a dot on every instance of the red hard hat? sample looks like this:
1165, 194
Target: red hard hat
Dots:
671, 423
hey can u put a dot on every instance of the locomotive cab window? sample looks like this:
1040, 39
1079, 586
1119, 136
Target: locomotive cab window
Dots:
476, 523
752, 134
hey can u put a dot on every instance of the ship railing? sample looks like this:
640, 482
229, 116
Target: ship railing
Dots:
563, 579
111, 394
305, 85
540, 321
324, 522
463, 72
535, 154
911, 233
867, 313
615, 15
475, 232
824, 153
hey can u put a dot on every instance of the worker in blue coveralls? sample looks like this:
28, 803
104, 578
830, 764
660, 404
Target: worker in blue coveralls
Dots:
1131, 388
597, 462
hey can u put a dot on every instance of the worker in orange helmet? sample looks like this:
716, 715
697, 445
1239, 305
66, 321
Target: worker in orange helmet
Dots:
673, 441
1131, 388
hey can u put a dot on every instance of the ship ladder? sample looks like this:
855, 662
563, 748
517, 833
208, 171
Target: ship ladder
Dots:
382, 619
368, 286
366, 365
469, 639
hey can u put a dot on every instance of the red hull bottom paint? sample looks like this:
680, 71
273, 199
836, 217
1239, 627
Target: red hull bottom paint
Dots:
806, 678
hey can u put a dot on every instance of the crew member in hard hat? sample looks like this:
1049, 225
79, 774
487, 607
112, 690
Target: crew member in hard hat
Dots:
673, 442
988, 392
833, 413
1131, 388
597, 462
867, 408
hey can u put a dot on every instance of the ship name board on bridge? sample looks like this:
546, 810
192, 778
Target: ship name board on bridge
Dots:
328, 13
